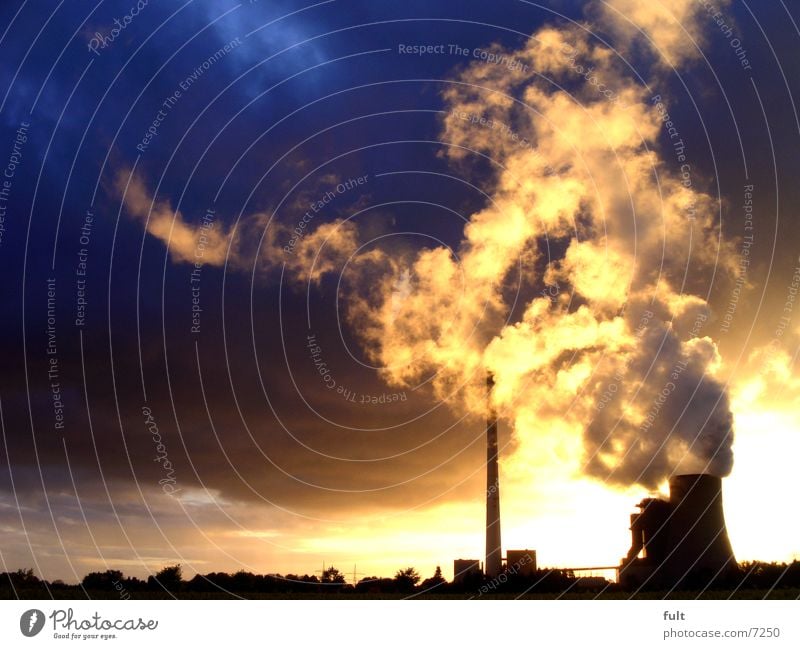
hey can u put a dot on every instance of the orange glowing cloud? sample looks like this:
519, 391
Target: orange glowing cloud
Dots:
620, 323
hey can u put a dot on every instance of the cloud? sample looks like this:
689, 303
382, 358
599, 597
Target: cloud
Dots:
673, 30
183, 239
770, 379
308, 254
631, 243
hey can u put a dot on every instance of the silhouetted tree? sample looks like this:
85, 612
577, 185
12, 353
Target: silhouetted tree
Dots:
406, 580
368, 585
102, 580
332, 576
311, 579
134, 583
170, 578
761, 575
245, 582
22, 578
433, 582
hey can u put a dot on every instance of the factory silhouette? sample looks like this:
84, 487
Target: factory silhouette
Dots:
677, 543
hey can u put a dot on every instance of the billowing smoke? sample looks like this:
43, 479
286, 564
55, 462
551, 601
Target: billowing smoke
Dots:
613, 344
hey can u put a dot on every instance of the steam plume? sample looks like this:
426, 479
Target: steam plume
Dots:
615, 346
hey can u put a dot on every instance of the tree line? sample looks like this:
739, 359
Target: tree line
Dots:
754, 575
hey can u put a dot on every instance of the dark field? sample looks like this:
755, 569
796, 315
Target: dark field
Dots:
750, 581
74, 592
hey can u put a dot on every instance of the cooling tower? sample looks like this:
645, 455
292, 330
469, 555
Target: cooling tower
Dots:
682, 542
494, 561
699, 548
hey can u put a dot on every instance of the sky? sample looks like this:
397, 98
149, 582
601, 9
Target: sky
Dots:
258, 258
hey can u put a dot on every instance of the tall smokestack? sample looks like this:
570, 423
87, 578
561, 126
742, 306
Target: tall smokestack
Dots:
493, 564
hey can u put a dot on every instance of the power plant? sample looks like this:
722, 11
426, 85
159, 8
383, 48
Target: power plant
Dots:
682, 541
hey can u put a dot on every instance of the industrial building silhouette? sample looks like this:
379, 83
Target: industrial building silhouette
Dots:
521, 562
682, 541
679, 542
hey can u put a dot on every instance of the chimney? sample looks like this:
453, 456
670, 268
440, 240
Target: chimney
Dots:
493, 565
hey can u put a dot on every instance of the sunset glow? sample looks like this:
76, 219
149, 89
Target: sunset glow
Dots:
273, 273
